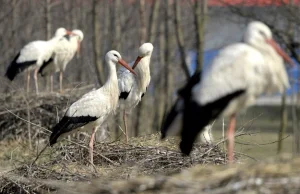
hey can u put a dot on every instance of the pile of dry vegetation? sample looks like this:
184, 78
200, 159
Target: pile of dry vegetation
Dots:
276, 176
145, 165
68, 162
122, 168
18, 109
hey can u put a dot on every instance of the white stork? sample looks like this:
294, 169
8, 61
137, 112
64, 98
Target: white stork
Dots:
63, 54
92, 109
132, 88
238, 75
33, 56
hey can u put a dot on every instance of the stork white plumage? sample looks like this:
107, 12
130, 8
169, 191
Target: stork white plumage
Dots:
33, 55
238, 75
92, 109
132, 88
63, 54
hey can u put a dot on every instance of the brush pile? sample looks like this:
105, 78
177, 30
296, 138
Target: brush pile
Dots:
18, 110
113, 161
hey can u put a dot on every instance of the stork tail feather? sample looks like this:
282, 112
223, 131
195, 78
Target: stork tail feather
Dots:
45, 64
67, 124
15, 68
196, 117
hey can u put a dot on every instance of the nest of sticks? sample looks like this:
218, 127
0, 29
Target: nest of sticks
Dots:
112, 161
22, 115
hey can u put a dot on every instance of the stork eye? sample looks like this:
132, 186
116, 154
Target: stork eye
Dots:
262, 33
116, 55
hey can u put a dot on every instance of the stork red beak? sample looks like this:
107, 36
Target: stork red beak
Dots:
136, 62
280, 52
69, 32
124, 64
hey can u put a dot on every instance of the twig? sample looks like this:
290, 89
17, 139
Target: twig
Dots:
27, 121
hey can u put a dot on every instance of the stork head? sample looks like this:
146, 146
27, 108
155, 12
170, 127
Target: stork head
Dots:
144, 50
115, 57
259, 36
60, 32
79, 35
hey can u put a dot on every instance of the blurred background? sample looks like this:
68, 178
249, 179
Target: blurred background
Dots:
186, 35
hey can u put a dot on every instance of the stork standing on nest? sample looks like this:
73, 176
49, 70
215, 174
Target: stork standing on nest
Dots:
238, 75
63, 54
33, 55
92, 109
132, 88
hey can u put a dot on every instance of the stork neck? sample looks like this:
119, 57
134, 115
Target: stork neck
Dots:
111, 85
54, 40
112, 75
268, 51
143, 71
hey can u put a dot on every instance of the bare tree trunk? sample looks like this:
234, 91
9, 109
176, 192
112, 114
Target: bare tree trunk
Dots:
116, 44
116, 40
142, 29
73, 14
283, 124
168, 88
159, 94
295, 107
153, 21
48, 32
106, 30
155, 122
14, 20
296, 136
200, 11
48, 18
180, 39
68, 12
97, 44
13, 28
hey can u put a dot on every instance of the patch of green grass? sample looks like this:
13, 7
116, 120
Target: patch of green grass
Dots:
259, 145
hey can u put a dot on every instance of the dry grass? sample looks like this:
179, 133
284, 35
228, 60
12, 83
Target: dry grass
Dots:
113, 161
276, 176
134, 163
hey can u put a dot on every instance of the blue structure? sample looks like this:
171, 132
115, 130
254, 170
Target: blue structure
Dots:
209, 55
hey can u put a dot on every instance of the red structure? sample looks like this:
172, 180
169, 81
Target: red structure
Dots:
257, 3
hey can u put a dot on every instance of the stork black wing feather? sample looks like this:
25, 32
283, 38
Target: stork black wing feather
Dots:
67, 124
185, 95
45, 64
175, 110
15, 68
196, 117
124, 95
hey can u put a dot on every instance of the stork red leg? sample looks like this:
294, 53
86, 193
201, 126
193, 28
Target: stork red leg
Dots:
36, 80
28, 80
230, 137
125, 124
60, 81
92, 146
51, 82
